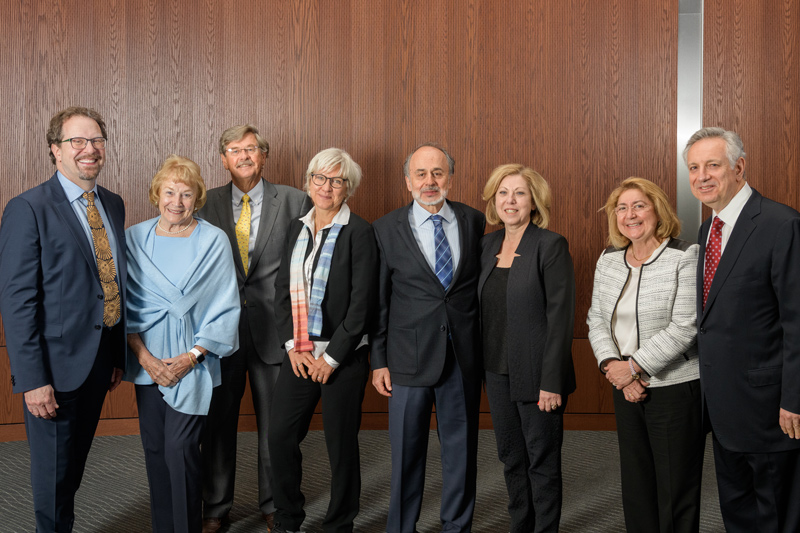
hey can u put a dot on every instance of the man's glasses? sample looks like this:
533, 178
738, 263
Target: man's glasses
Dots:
79, 143
250, 150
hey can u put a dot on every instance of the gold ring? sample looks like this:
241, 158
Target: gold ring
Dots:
553, 405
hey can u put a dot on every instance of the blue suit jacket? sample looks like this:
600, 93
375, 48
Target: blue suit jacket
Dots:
416, 314
51, 300
748, 335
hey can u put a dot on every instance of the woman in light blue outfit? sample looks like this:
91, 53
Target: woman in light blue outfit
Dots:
183, 315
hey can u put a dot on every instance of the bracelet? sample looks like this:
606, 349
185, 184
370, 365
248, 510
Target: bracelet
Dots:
634, 374
199, 356
191, 361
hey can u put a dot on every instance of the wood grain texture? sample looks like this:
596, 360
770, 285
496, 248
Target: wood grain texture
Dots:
582, 91
751, 84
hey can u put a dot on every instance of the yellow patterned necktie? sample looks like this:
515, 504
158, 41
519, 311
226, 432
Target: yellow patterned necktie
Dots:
243, 232
105, 263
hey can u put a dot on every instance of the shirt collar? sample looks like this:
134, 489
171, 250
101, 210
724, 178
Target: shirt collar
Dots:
421, 215
72, 191
256, 194
342, 217
730, 213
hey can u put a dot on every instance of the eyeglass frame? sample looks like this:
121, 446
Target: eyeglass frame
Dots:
93, 140
326, 178
638, 208
250, 150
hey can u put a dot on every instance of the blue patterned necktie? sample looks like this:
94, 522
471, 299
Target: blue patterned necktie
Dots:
444, 259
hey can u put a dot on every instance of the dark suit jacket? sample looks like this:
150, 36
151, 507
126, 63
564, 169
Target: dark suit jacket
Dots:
415, 314
350, 294
51, 300
749, 334
540, 304
281, 205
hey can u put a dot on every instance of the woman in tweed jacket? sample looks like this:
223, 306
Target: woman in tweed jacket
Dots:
642, 330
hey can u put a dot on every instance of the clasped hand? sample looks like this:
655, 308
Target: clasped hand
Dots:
304, 365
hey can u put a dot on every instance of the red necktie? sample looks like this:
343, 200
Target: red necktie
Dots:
713, 253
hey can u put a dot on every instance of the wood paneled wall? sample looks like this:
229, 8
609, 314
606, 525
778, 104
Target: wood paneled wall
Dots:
751, 84
583, 91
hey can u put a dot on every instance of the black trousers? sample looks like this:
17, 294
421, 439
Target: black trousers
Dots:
295, 400
171, 442
661, 448
529, 446
758, 491
59, 446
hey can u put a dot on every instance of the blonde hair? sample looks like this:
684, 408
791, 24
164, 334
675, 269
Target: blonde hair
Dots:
540, 193
180, 170
668, 223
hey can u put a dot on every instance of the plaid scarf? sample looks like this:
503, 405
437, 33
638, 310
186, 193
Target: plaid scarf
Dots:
307, 316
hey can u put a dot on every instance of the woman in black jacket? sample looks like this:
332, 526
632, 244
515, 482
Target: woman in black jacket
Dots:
527, 294
325, 295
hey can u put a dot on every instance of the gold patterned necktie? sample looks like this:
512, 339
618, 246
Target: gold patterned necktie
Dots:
243, 232
105, 263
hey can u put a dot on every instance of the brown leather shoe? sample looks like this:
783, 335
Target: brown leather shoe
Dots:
269, 518
212, 525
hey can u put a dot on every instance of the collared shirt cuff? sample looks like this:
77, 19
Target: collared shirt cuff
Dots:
331, 361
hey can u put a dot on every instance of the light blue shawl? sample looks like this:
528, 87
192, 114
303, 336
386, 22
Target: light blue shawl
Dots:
203, 309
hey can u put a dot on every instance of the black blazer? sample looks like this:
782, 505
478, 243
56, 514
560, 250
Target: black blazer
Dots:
748, 336
282, 204
540, 307
50, 294
415, 314
350, 294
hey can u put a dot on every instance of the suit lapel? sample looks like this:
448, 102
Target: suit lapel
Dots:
407, 236
739, 236
224, 213
67, 214
488, 257
117, 226
703, 236
270, 205
464, 239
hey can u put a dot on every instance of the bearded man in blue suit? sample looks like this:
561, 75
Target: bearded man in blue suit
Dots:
62, 281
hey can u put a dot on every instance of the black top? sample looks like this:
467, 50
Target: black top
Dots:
493, 317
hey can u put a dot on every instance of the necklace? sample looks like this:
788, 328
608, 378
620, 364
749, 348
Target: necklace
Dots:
632, 253
180, 230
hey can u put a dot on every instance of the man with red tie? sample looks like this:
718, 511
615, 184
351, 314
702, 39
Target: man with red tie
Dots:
748, 337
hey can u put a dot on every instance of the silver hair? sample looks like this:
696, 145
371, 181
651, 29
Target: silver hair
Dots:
331, 158
451, 163
734, 148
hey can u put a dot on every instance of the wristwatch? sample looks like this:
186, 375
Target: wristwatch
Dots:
199, 355
634, 374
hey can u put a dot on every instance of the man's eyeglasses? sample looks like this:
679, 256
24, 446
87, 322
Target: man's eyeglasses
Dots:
249, 150
320, 179
79, 143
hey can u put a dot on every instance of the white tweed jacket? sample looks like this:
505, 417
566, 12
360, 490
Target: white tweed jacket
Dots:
666, 312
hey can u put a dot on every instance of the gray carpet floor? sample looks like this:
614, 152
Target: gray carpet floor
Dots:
114, 493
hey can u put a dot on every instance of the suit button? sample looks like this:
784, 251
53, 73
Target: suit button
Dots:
97, 326
99, 296
703, 330
442, 328
446, 299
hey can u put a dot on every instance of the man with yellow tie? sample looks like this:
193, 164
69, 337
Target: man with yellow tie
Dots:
255, 215
62, 276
